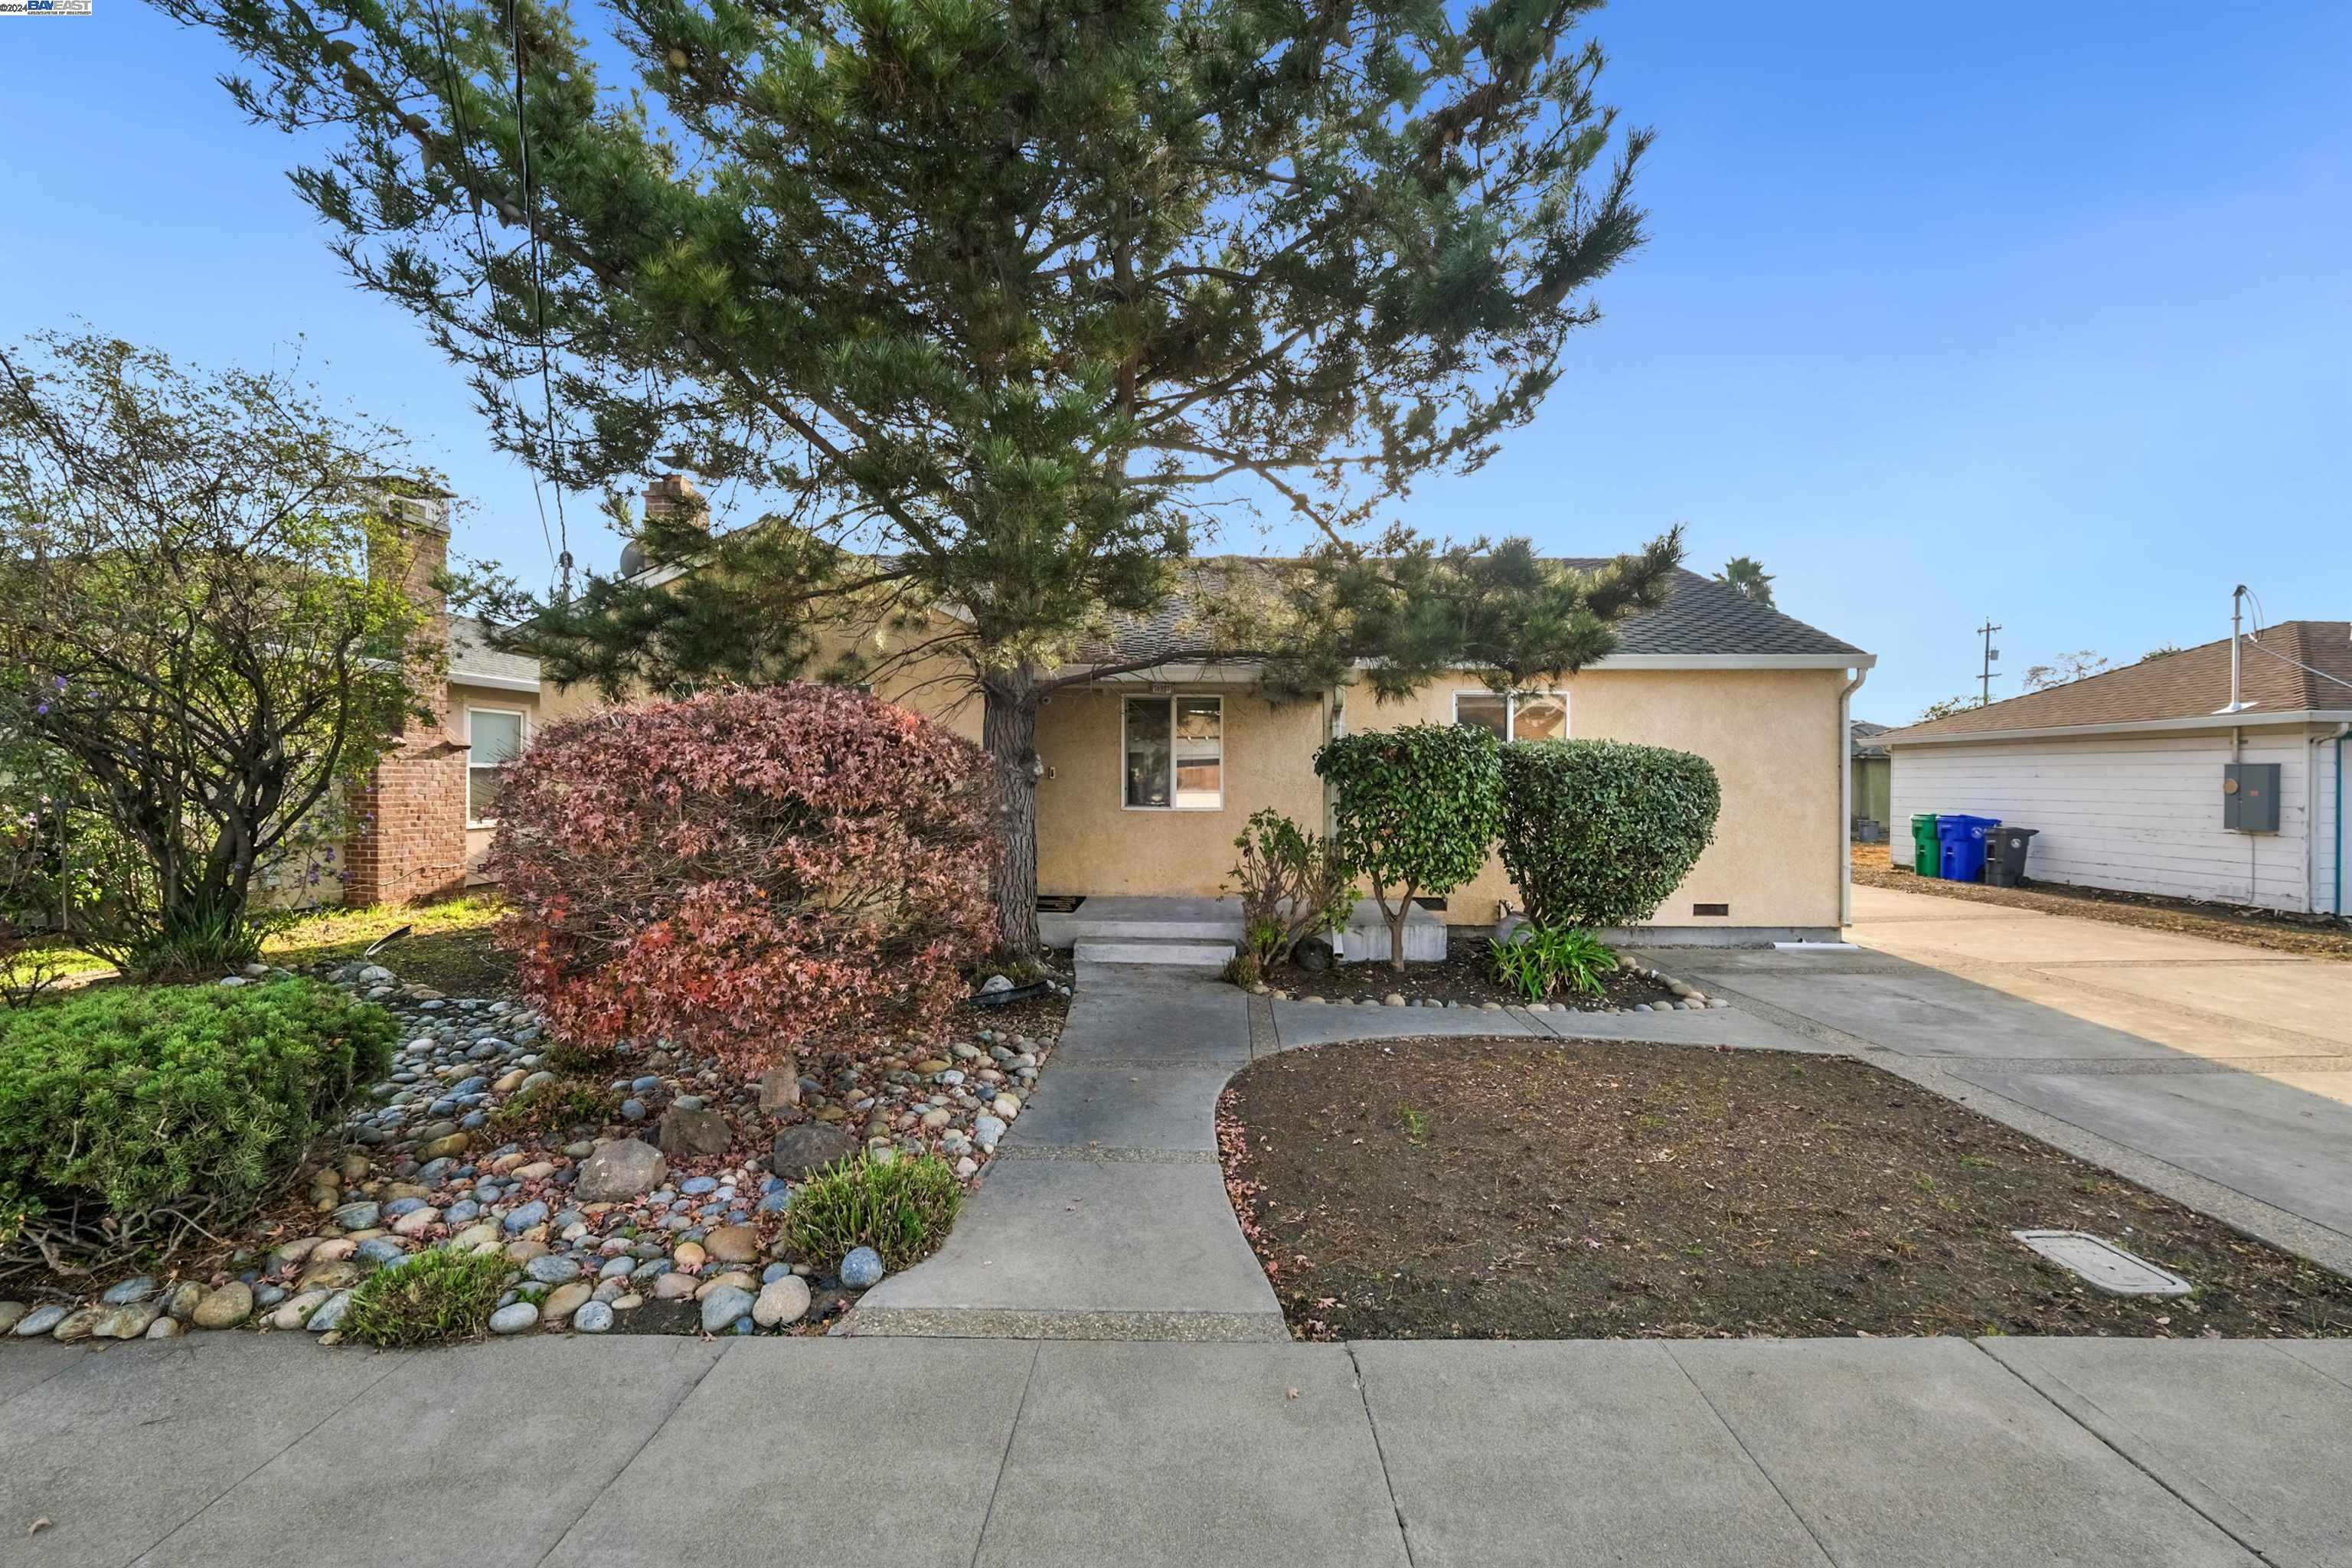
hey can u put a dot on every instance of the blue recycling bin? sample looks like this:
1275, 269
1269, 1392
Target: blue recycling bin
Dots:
1962, 842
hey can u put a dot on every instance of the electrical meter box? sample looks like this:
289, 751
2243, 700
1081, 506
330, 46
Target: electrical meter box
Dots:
2250, 797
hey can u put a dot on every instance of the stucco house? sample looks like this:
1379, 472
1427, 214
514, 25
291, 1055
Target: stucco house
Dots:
1147, 775
2146, 779
1150, 776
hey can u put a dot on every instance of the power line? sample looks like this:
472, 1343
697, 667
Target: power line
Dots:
537, 288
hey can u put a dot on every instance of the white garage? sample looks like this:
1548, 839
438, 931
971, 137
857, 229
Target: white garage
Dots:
2142, 779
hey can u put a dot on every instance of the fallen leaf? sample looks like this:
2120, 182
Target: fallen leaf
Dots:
1287, 1394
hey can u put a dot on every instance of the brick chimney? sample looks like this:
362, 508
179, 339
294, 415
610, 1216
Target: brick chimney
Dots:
671, 498
408, 833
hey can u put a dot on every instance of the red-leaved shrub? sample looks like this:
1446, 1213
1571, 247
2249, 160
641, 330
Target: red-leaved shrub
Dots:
739, 871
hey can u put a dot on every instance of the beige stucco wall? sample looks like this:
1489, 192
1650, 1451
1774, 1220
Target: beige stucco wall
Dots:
1773, 737
1089, 842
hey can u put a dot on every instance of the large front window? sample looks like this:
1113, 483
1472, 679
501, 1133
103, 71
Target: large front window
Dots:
1173, 752
1520, 716
496, 736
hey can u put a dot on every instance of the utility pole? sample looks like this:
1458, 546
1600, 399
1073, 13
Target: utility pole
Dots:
1984, 674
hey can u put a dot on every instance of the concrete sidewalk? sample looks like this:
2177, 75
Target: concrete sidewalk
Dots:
1104, 1214
2218, 1074
240, 1451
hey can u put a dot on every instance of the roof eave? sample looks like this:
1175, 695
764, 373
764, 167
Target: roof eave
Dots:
2245, 719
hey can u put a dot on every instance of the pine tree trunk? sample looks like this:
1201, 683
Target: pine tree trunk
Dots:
1008, 731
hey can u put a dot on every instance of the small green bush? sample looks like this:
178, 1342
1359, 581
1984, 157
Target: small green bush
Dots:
138, 1097
434, 1299
1293, 884
1417, 811
1599, 833
1535, 961
902, 1210
556, 1106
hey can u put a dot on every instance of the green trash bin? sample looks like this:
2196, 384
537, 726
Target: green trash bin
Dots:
1927, 854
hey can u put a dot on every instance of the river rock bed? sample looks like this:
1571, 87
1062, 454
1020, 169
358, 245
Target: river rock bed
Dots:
667, 1219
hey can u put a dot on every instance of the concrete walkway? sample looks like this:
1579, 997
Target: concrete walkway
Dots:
2218, 1074
1104, 1215
242, 1451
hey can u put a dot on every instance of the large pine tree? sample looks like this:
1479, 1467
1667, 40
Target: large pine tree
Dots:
989, 304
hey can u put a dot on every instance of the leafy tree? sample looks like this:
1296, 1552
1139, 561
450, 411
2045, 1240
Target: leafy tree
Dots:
2160, 651
1947, 708
1748, 578
190, 633
1416, 811
994, 307
2067, 666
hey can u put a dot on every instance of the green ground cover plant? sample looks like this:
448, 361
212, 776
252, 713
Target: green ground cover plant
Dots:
126, 1112
902, 1210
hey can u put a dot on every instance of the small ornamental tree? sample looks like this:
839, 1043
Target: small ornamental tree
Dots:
742, 871
1418, 810
1598, 833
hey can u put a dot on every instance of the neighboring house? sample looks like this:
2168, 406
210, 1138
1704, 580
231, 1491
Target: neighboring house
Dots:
421, 825
2126, 775
1872, 771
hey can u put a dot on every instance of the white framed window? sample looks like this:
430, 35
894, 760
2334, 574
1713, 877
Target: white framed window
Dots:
1173, 754
1521, 716
493, 735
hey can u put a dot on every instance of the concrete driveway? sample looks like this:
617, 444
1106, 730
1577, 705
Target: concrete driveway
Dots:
2219, 1074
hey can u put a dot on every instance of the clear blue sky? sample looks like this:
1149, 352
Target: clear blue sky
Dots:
2038, 312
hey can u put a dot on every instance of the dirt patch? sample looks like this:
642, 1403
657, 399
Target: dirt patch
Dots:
2311, 936
1599, 1190
1463, 976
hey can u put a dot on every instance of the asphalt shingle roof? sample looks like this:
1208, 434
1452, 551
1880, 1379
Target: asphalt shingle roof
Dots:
470, 655
2190, 684
1700, 616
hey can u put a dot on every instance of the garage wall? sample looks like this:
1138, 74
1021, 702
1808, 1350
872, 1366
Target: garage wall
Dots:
2328, 846
2139, 813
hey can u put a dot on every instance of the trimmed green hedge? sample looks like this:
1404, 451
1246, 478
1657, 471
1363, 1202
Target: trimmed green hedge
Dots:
143, 1095
1598, 833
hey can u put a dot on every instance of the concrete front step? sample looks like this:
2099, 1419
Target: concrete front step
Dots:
1193, 954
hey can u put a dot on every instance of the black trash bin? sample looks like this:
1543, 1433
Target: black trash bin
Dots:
2005, 848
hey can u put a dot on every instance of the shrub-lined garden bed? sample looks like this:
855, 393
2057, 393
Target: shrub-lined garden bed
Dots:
1467, 976
668, 1208
1485, 1189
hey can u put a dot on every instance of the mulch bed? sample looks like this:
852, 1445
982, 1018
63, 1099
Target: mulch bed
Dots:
2308, 936
1476, 1189
1464, 976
